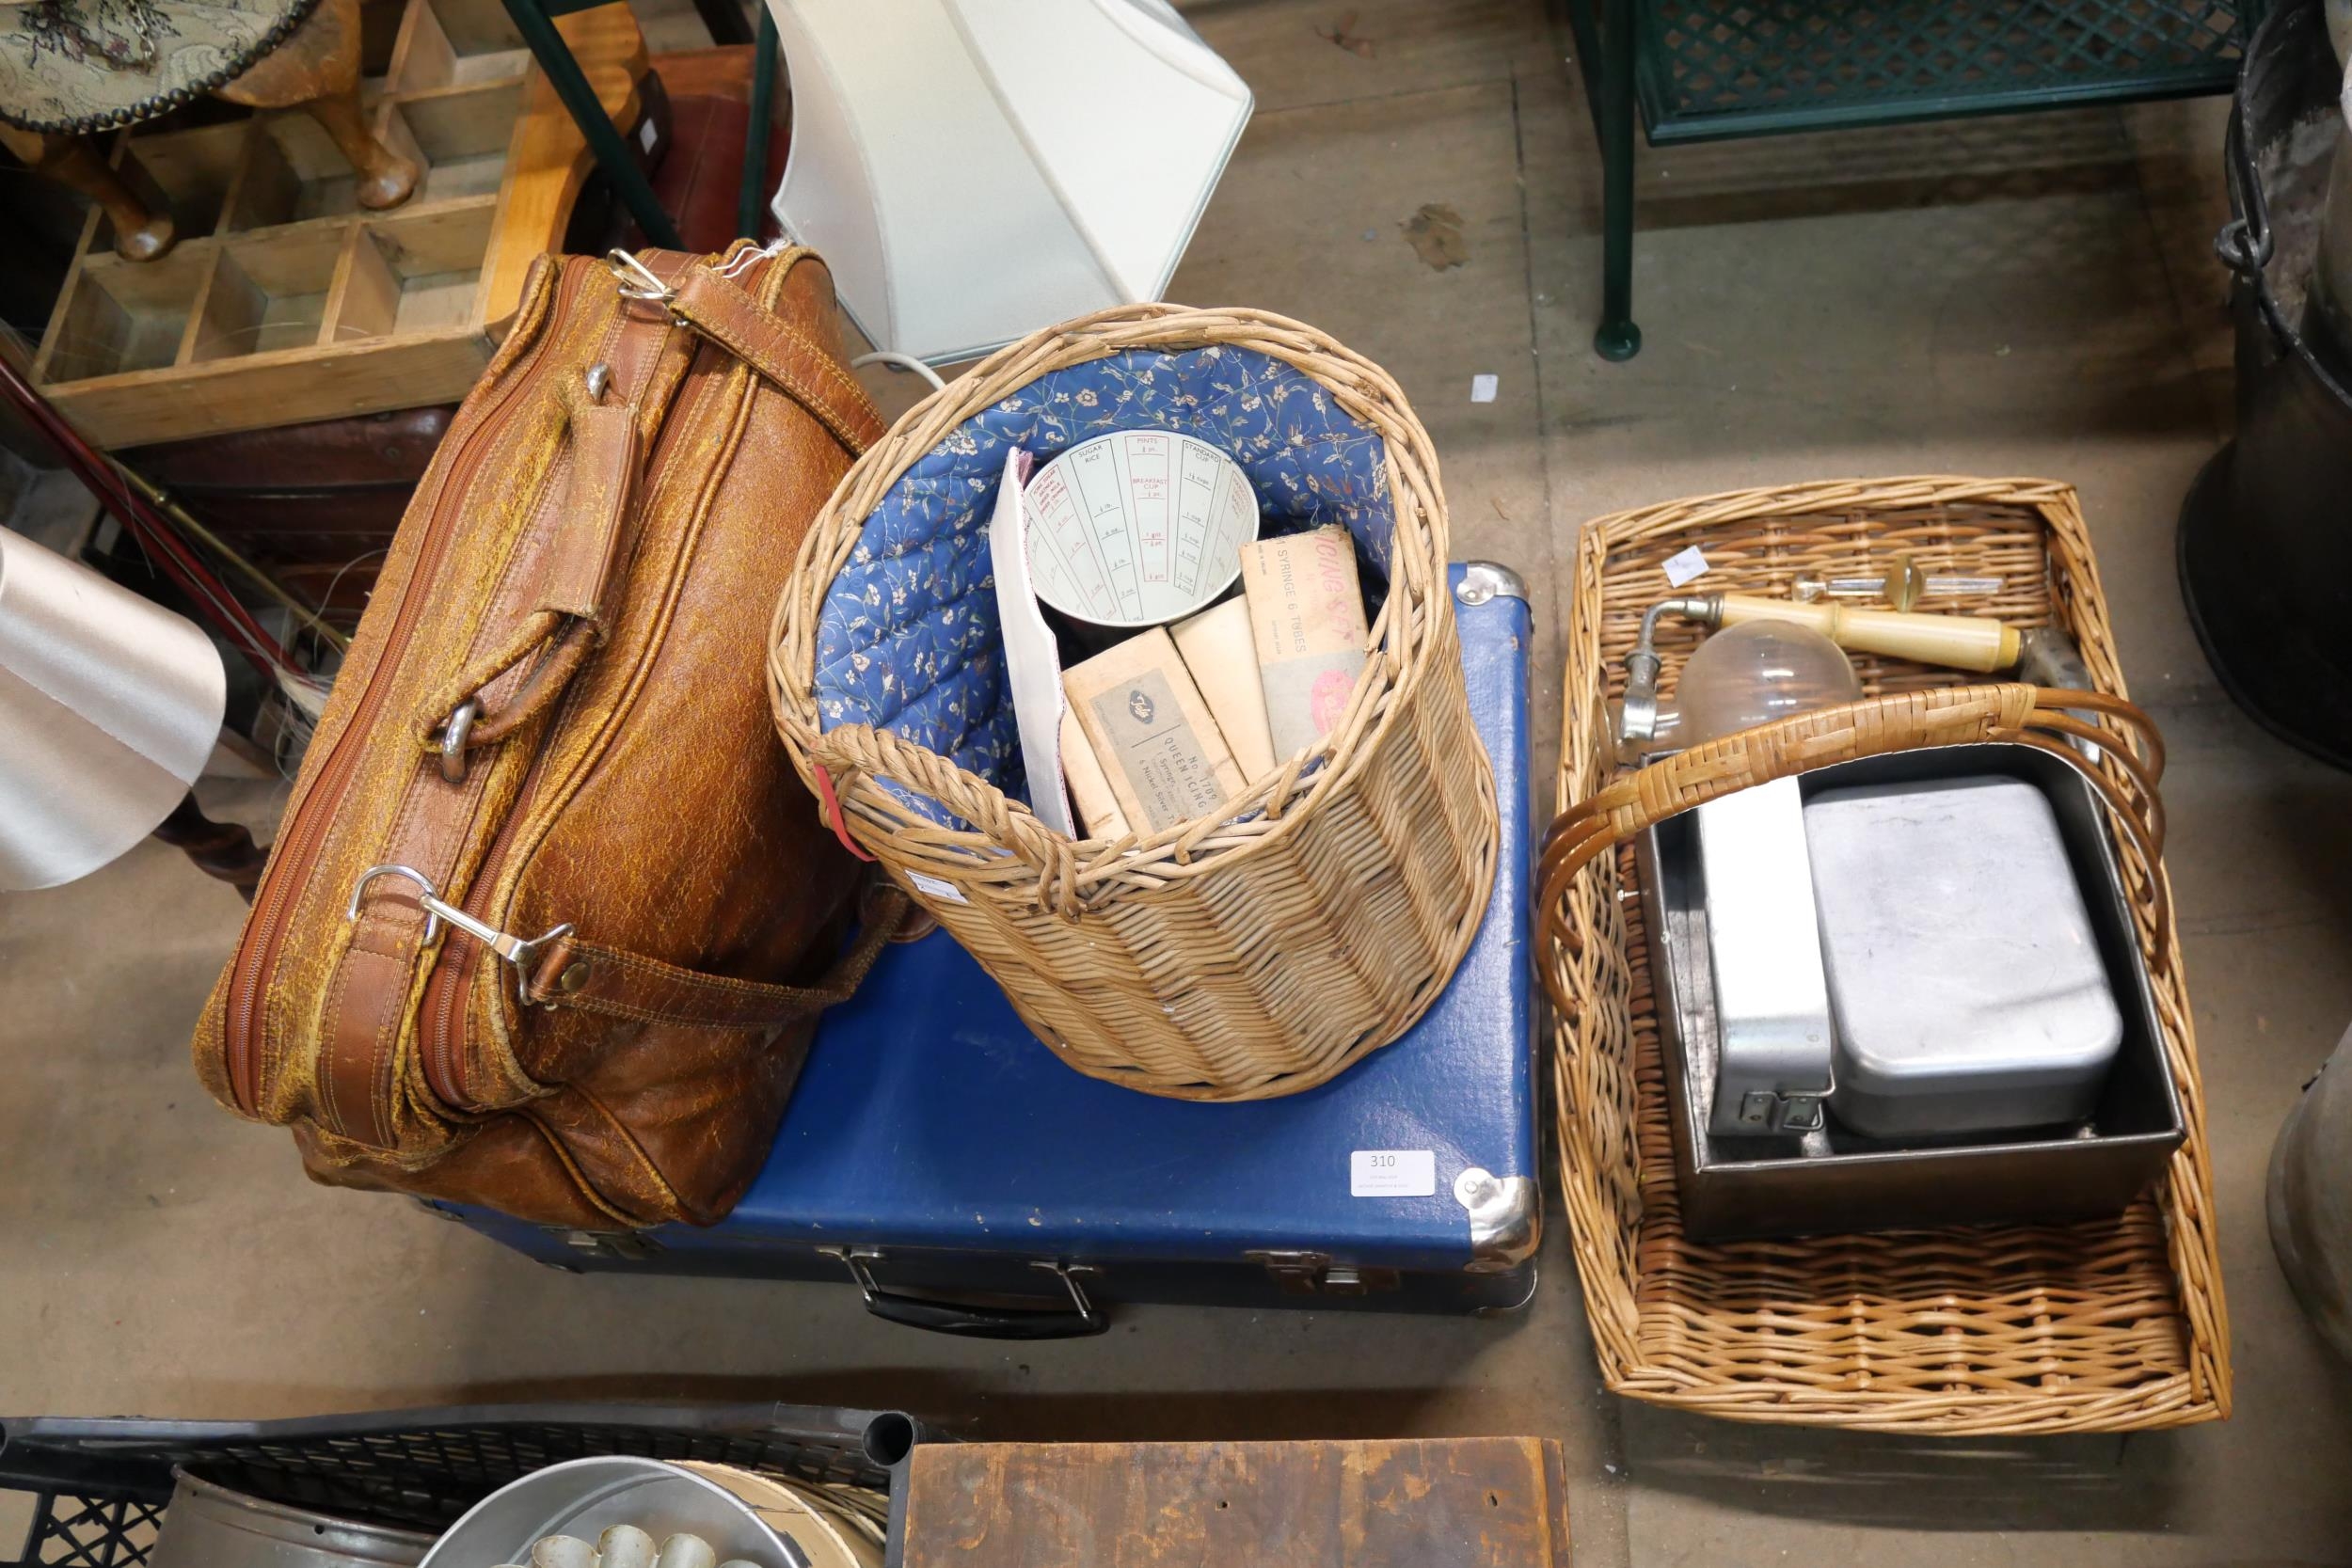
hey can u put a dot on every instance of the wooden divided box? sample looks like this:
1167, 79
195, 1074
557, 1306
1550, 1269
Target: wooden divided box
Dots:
284, 299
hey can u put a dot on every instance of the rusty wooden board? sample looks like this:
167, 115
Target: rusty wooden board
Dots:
1477, 1502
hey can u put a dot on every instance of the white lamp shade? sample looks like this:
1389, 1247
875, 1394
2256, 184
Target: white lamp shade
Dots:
109, 706
973, 170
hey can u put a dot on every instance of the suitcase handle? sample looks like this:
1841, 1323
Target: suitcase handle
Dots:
1078, 1320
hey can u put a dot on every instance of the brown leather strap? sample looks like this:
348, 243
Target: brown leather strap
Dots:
588, 547
542, 684
369, 996
779, 351
605, 467
577, 974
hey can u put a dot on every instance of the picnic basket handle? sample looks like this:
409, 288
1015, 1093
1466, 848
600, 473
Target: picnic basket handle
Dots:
1898, 722
848, 752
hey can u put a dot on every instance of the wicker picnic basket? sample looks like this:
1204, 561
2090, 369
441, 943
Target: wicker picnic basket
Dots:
2107, 1325
1256, 953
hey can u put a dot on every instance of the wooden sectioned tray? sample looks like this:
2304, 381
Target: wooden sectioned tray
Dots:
286, 300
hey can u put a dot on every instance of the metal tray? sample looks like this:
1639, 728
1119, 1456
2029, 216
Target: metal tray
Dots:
1839, 1180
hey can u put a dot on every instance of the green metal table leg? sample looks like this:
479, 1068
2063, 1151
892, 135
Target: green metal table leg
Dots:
604, 143
750, 196
1618, 338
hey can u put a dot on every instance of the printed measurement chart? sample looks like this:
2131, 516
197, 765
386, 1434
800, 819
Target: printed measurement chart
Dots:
1138, 527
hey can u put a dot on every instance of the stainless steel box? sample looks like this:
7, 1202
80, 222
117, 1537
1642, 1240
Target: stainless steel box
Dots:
1837, 1179
1963, 977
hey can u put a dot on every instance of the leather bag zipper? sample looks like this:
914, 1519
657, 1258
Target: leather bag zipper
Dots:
302, 838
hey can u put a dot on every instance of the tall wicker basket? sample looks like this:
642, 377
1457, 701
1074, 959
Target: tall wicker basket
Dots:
2105, 1324
1256, 953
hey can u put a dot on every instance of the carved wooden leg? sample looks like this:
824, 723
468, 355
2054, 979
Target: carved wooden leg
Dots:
139, 234
386, 177
221, 849
317, 70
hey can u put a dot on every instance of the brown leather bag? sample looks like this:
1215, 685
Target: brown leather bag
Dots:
550, 918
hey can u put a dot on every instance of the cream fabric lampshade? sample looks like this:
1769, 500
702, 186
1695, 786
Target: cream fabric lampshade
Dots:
974, 169
109, 706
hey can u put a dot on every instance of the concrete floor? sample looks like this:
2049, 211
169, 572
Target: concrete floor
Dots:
2025, 296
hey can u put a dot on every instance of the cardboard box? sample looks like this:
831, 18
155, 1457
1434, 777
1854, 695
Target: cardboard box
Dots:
1089, 787
1152, 733
1221, 653
1307, 611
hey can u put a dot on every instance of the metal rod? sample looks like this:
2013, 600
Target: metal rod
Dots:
1585, 24
162, 500
1878, 588
1618, 338
724, 17
1638, 715
751, 204
595, 127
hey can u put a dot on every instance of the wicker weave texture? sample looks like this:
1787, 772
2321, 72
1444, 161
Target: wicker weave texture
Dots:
1223, 960
2092, 1325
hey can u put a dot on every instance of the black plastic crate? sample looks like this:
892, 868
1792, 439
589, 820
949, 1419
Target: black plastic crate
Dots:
100, 1486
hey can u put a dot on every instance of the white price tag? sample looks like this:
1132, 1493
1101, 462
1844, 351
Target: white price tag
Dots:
1482, 388
1392, 1173
938, 887
1683, 566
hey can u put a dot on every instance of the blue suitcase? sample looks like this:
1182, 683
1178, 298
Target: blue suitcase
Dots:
941, 1158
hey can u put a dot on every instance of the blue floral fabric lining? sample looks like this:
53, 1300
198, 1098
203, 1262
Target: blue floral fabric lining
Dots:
908, 640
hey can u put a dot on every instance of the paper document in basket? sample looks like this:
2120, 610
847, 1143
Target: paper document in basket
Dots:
908, 637
1221, 652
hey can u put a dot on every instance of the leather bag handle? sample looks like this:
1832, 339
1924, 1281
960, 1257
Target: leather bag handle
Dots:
708, 301
607, 462
1898, 722
569, 619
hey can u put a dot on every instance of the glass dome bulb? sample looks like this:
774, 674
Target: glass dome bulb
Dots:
1755, 672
